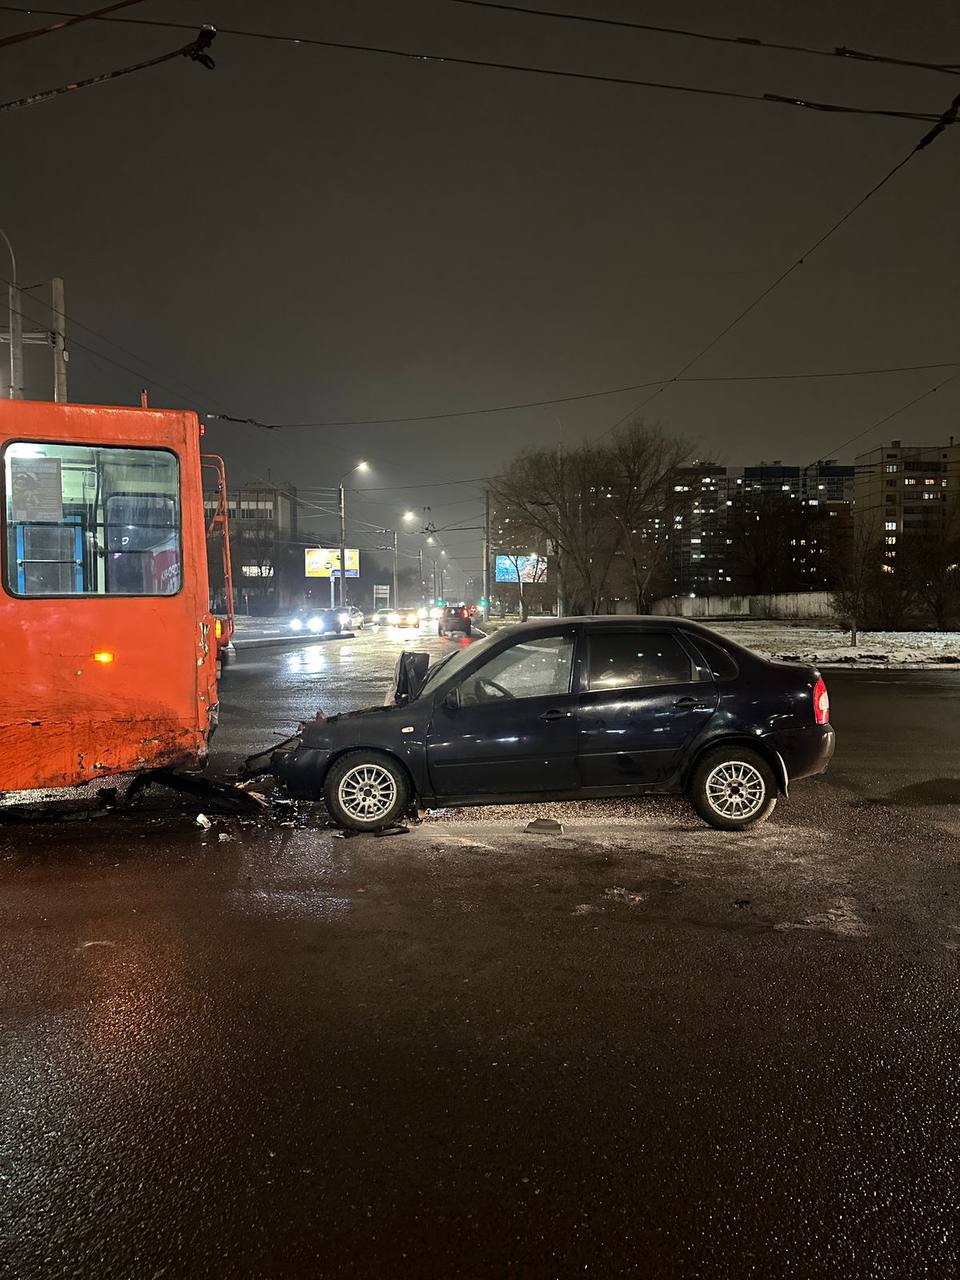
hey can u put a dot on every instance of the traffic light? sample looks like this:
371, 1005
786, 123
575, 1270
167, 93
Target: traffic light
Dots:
484, 602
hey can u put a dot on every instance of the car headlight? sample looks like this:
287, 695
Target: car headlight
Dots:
296, 624
393, 618
315, 625
435, 614
413, 619
344, 618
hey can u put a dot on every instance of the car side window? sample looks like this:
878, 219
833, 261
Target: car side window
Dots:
528, 669
627, 660
720, 662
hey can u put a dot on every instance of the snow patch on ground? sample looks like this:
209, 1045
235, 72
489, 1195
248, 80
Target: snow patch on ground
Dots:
827, 646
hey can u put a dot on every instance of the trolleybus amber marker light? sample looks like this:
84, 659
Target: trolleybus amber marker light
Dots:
103, 656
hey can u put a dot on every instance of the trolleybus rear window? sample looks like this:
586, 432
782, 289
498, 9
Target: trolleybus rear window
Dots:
91, 520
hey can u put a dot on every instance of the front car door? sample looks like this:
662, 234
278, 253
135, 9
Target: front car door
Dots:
510, 728
644, 699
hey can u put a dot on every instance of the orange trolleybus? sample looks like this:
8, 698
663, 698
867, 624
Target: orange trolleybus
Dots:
107, 644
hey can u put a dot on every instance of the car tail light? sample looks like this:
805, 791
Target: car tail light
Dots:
821, 702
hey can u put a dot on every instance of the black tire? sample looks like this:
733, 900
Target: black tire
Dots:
379, 768
713, 791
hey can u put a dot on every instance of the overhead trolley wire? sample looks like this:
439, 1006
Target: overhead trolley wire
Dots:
744, 42
417, 55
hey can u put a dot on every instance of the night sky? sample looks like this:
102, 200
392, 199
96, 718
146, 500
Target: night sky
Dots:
309, 234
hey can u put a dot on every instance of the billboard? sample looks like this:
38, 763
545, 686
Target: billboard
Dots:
324, 562
522, 568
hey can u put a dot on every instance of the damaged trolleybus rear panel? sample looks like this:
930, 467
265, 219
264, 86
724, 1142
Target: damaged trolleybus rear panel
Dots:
107, 645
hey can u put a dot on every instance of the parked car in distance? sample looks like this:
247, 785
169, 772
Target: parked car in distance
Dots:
575, 708
454, 618
317, 622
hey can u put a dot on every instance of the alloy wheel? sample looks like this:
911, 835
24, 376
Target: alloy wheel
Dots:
735, 789
367, 792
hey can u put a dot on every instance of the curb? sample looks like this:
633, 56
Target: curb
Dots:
266, 642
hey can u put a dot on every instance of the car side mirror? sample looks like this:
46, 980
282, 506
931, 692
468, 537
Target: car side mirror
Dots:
452, 700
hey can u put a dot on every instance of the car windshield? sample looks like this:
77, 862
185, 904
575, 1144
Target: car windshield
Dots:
452, 663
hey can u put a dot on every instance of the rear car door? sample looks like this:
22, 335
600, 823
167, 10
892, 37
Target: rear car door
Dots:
513, 728
644, 700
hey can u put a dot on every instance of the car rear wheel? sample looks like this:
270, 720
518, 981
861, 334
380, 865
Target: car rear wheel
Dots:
366, 790
733, 788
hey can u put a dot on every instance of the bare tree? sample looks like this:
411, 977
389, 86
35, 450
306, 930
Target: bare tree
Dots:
558, 497
644, 466
931, 562
856, 592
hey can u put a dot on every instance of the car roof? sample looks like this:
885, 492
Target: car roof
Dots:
607, 620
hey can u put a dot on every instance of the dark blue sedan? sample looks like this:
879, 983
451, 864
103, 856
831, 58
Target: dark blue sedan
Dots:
577, 708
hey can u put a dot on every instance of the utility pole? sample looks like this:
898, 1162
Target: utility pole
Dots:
343, 539
420, 559
486, 554
16, 327
396, 572
436, 593
60, 354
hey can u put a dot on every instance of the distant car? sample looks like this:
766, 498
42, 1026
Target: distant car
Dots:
454, 618
317, 622
352, 618
396, 618
573, 709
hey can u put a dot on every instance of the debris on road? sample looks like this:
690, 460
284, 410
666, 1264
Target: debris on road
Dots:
627, 896
544, 827
204, 822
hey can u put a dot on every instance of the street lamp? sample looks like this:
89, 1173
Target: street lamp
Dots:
361, 466
15, 334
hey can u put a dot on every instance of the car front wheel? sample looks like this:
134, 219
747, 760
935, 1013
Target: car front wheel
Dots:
366, 790
733, 788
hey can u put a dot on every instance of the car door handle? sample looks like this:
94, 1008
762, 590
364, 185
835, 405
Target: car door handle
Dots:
685, 702
554, 714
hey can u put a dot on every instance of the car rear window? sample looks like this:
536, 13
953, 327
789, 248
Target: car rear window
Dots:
720, 662
624, 660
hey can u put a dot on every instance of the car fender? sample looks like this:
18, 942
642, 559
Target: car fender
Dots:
753, 739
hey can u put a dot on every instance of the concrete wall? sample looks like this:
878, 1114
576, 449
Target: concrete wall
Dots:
791, 604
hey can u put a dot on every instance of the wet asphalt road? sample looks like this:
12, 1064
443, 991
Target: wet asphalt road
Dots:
640, 1048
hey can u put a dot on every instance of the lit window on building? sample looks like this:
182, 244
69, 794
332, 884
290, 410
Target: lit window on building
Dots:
890, 525
891, 466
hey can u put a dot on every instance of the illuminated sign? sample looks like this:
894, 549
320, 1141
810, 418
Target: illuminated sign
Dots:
324, 562
521, 569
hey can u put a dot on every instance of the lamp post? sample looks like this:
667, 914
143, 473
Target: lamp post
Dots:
361, 466
407, 517
16, 326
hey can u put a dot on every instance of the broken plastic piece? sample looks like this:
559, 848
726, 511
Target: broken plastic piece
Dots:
544, 826
204, 822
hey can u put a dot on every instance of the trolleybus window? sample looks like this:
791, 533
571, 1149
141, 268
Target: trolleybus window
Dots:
91, 520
